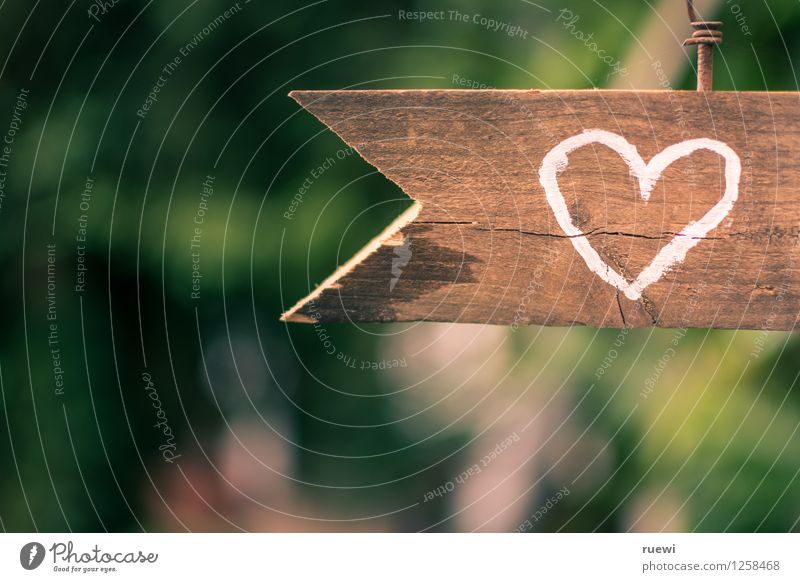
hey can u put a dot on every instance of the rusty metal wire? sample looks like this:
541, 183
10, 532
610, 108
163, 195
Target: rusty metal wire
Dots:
707, 34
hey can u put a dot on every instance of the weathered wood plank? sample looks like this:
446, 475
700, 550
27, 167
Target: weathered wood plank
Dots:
483, 243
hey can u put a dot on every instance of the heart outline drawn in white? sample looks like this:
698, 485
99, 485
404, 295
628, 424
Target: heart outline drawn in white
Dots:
674, 252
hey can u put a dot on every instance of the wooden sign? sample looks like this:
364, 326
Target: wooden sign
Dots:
601, 208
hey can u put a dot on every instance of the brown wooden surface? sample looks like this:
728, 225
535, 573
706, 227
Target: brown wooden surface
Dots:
486, 247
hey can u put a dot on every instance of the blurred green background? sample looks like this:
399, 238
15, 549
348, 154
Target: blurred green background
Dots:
206, 413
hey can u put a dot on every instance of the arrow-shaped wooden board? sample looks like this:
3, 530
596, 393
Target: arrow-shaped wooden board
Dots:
601, 208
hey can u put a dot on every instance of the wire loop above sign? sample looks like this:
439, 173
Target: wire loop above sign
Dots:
706, 35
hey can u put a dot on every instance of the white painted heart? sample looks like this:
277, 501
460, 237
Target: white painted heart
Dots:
556, 161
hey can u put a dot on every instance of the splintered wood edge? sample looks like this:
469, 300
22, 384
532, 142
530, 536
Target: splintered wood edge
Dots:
295, 314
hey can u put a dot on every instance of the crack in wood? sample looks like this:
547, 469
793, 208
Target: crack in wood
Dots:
646, 303
621, 312
598, 232
445, 222
594, 232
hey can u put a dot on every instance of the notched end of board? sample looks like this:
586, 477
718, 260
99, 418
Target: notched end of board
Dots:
298, 96
304, 310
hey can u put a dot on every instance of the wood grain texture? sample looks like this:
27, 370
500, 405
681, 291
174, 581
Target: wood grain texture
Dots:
482, 245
